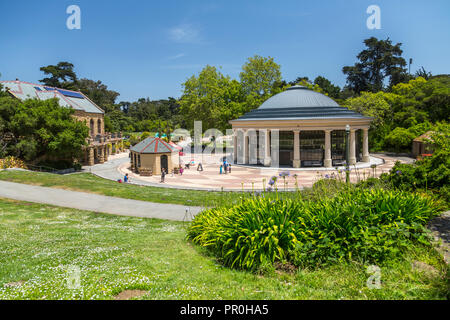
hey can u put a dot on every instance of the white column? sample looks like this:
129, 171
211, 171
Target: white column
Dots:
246, 149
266, 147
275, 147
296, 161
366, 156
328, 161
235, 146
352, 156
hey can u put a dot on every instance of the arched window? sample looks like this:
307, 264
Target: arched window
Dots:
99, 126
92, 124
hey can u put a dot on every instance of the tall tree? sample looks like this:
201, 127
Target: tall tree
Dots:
98, 93
60, 75
211, 98
380, 60
41, 128
329, 88
260, 76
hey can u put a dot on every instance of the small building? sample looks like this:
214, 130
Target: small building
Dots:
100, 144
423, 145
300, 128
151, 154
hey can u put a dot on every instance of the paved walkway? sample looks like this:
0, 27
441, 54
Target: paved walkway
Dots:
96, 203
241, 177
440, 227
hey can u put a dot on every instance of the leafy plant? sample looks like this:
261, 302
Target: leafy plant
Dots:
368, 225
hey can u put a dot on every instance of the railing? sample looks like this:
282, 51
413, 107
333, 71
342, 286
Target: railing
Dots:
33, 167
101, 138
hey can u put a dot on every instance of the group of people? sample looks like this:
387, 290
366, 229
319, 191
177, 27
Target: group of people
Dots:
225, 167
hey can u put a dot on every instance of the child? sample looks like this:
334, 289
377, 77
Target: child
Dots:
181, 171
125, 179
163, 174
221, 168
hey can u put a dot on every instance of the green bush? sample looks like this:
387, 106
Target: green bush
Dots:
366, 225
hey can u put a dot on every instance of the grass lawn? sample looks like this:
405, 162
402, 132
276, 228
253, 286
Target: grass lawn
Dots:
87, 182
39, 244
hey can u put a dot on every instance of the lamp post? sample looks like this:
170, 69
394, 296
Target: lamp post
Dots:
347, 153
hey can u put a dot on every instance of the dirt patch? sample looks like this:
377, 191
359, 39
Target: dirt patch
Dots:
422, 266
14, 284
128, 294
285, 267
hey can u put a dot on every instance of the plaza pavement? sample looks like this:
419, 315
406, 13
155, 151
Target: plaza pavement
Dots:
241, 177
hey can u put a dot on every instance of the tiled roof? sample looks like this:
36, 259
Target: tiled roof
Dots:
153, 145
66, 98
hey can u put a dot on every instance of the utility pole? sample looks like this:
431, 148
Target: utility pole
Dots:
410, 63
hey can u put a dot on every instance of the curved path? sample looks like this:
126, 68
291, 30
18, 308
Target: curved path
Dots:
96, 203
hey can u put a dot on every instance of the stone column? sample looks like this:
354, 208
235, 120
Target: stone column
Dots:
91, 160
352, 156
100, 152
328, 162
366, 156
235, 146
246, 138
267, 160
296, 161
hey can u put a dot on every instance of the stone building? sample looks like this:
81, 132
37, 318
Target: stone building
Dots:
100, 144
300, 128
151, 154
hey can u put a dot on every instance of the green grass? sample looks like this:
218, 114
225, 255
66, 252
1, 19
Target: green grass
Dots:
87, 182
38, 244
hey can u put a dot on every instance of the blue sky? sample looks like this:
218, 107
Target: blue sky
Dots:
149, 48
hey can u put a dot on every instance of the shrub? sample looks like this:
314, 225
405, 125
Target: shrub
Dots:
12, 162
366, 225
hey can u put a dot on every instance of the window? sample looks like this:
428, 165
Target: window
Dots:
99, 126
92, 125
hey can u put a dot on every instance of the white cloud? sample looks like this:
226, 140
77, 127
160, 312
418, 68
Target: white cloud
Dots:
185, 33
177, 56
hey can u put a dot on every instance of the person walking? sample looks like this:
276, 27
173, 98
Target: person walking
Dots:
125, 178
181, 171
229, 168
221, 168
163, 175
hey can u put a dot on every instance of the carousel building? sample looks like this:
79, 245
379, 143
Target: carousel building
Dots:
300, 128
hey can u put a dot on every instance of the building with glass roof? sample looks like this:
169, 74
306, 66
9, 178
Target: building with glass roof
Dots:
100, 143
300, 128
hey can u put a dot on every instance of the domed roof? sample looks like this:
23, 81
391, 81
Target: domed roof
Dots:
298, 97
300, 103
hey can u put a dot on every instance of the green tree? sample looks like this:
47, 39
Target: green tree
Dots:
380, 60
39, 129
98, 93
211, 98
60, 75
329, 88
260, 76
399, 139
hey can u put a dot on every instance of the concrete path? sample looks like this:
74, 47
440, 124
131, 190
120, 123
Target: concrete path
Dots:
96, 203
